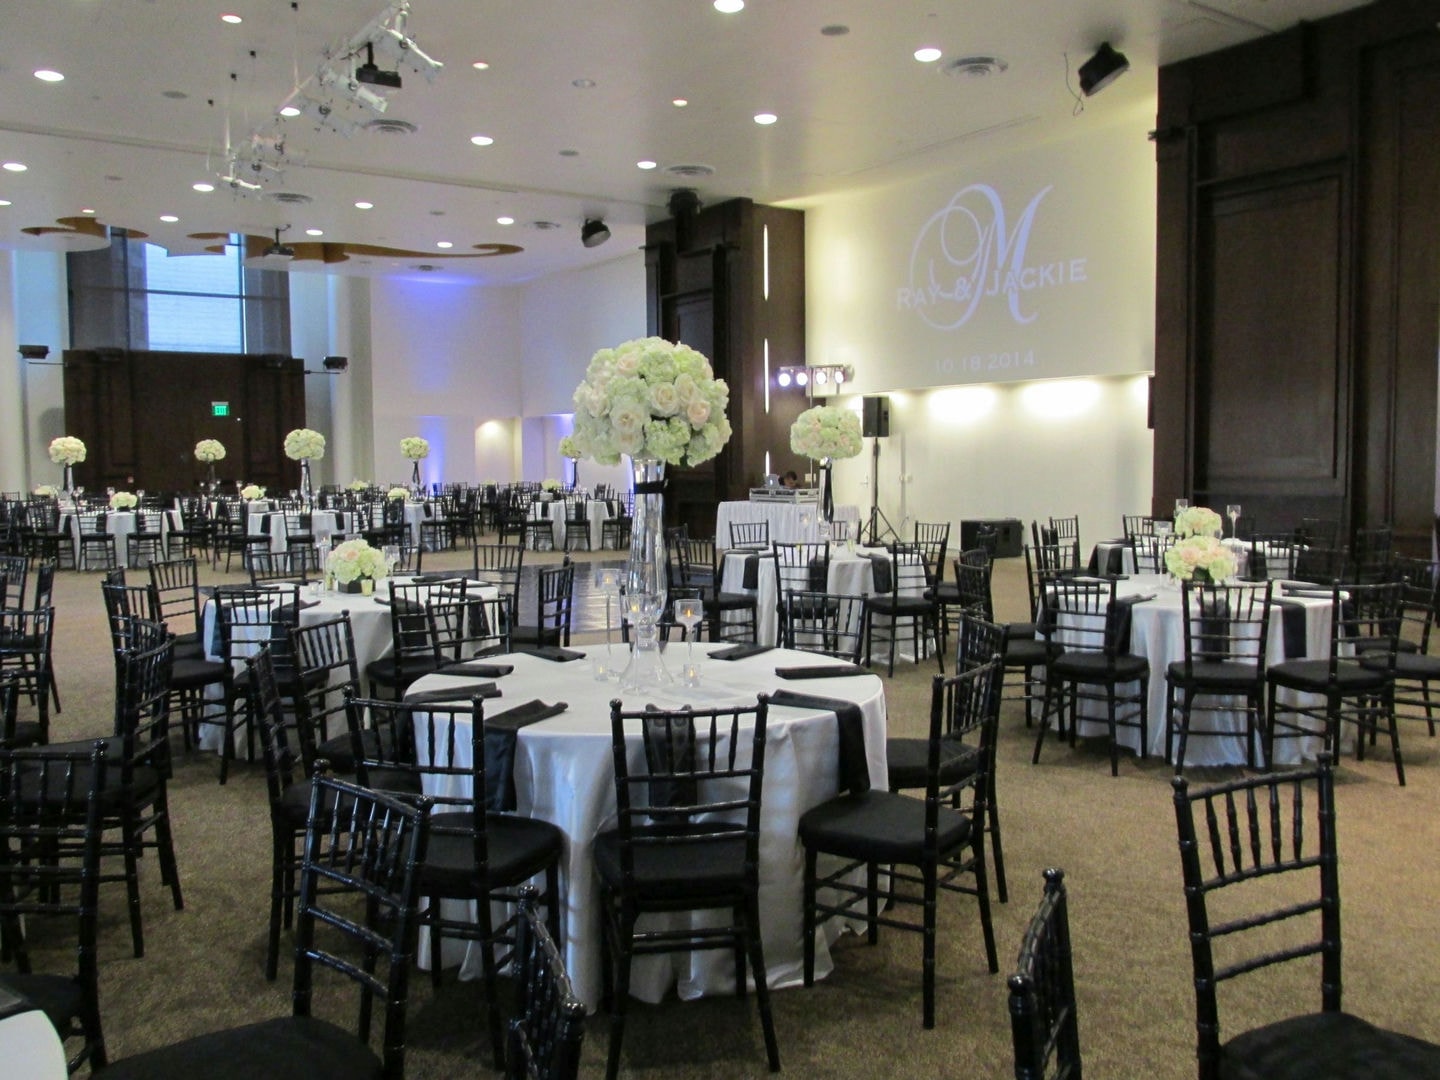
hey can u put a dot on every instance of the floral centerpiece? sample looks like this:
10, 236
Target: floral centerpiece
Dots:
209, 451
354, 564
549, 485
67, 450
251, 492
359, 485
569, 448
302, 444
123, 500
1197, 521
825, 433
660, 404
1200, 553
414, 447
397, 493
47, 491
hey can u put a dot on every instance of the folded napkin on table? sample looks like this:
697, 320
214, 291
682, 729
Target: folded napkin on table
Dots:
550, 652
439, 575
880, 571
476, 669
822, 671
740, 652
500, 733
850, 721
1292, 620
454, 693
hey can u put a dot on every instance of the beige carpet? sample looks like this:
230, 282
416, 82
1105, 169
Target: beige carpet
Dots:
1114, 837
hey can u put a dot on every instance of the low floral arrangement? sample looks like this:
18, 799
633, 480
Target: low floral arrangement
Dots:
359, 485
123, 500
649, 398
251, 492
354, 560
826, 432
397, 493
414, 447
569, 449
1197, 521
47, 491
67, 450
303, 443
549, 485
1200, 553
209, 451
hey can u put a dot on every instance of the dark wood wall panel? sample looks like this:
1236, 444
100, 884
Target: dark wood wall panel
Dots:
140, 415
1272, 398
1298, 273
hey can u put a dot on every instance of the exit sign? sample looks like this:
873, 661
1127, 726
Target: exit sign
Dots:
219, 408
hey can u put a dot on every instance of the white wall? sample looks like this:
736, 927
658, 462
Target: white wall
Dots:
41, 317
987, 415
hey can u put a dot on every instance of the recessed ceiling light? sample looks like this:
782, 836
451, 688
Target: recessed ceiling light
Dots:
202, 186
46, 75
646, 164
171, 218
679, 102
765, 118
927, 55
314, 232
87, 210
290, 110
583, 84
480, 65
505, 221
363, 205
13, 166
729, 7
481, 140
4, 202
443, 244
233, 20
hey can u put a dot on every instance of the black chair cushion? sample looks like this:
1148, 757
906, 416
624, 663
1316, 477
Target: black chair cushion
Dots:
731, 601
192, 673
1214, 674
189, 646
59, 997
518, 848
1027, 652
1327, 1044
288, 1048
676, 872
27, 733
908, 758
904, 606
145, 783
1095, 667
1314, 676
1020, 631
1407, 665
879, 826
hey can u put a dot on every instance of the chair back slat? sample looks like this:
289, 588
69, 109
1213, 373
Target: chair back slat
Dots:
1043, 1019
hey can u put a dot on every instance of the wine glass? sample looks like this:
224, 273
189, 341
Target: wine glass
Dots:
1232, 511
391, 553
688, 612
1181, 504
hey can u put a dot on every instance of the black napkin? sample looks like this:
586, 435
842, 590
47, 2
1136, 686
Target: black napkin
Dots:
500, 733
850, 722
457, 693
750, 579
550, 652
439, 575
740, 652
1313, 592
821, 671
382, 601
477, 670
1292, 620
880, 571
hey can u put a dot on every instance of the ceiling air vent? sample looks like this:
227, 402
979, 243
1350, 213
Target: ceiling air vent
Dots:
383, 125
545, 226
289, 198
690, 171
975, 67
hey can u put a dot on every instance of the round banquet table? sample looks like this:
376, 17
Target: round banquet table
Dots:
564, 773
1157, 633
790, 522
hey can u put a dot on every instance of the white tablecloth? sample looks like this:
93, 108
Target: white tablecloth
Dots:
851, 574
597, 512
322, 522
790, 523
564, 773
1157, 633
121, 525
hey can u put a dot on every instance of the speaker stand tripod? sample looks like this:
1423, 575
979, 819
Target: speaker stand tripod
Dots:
873, 535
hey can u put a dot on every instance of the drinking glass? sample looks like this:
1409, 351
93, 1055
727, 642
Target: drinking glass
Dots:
688, 612
1181, 504
1232, 511
607, 583
391, 552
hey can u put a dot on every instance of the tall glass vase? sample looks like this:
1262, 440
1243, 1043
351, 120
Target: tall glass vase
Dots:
67, 485
210, 482
645, 586
415, 475
827, 497
307, 492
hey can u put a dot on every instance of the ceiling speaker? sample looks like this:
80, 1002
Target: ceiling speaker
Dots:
1102, 69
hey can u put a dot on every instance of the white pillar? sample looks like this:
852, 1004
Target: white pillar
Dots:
13, 471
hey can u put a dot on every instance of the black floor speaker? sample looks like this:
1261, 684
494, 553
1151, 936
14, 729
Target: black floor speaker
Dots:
875, 418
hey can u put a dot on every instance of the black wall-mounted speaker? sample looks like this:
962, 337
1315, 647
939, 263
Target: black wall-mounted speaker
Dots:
875, 417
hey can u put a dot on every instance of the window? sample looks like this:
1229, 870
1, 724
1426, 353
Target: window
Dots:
134, 295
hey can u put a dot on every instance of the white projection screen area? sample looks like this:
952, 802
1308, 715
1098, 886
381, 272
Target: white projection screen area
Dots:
1035, 265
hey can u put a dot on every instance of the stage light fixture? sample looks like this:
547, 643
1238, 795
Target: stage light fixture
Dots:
802, 377
783, 379
1102, 69
594, 232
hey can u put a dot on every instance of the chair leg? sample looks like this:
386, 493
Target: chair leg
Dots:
620, 995
993, 813
762, 987
280, 853
130, 844
165, 848
809, 918
927, 965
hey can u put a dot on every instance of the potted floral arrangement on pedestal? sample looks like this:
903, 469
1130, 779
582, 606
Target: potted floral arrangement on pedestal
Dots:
825, 433
416, 449
68, 451
1197, 521
359, 485
209, 451
355, 566
305, 445
659, 404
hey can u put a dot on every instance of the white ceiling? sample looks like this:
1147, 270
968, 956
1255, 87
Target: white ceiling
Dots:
141, 114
